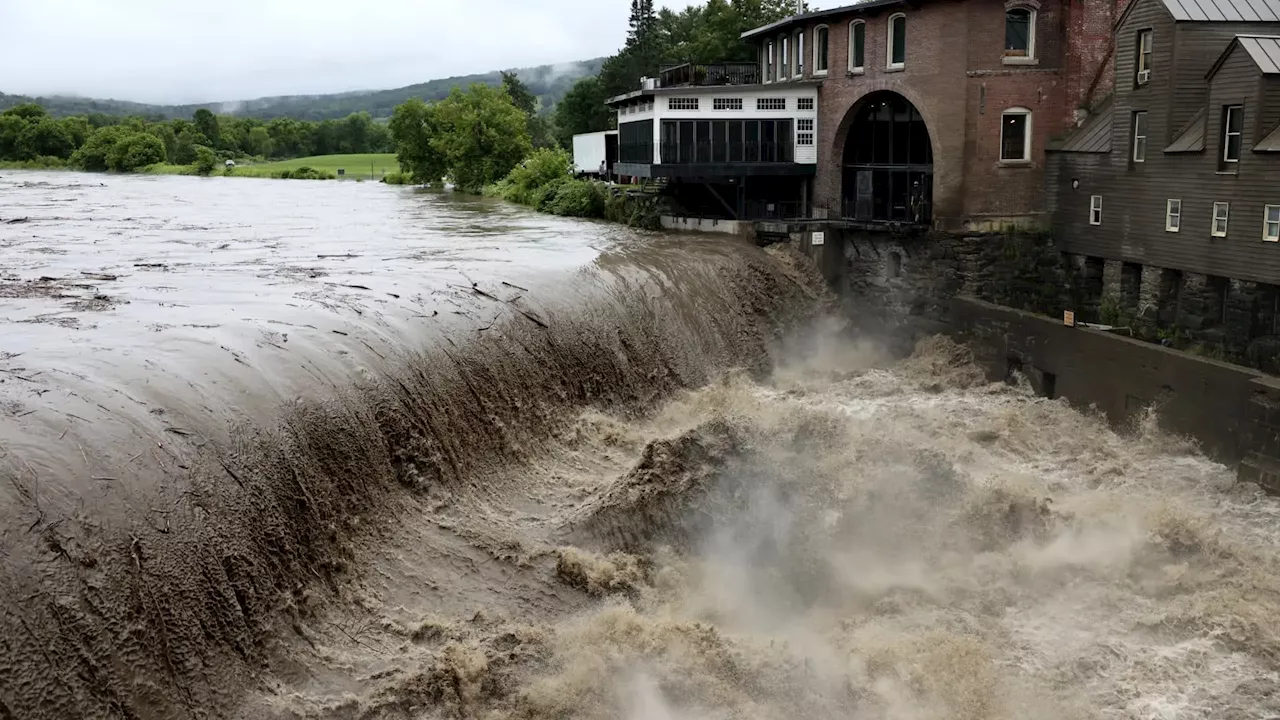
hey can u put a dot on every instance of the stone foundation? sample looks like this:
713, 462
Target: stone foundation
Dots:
900, 285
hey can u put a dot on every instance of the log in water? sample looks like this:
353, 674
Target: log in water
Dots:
347, 451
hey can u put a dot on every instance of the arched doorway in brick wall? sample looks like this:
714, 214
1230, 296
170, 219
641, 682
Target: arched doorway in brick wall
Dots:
887, 174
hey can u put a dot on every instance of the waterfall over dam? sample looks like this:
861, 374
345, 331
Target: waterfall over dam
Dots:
339, 450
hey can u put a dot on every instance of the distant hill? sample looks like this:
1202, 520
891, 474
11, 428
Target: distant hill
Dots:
548, 82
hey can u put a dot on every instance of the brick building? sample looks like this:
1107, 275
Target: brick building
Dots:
977, 88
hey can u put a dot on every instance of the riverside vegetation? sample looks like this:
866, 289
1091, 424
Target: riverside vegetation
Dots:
32, 138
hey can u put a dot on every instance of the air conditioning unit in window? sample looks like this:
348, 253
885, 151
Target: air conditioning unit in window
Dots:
1143, 76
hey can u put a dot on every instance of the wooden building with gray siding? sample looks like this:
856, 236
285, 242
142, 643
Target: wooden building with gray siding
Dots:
1138, 181
1171, 188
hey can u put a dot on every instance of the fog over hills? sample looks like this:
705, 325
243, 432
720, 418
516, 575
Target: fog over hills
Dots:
548, 82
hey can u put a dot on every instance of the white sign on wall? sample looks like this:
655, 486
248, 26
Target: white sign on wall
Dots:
818, 238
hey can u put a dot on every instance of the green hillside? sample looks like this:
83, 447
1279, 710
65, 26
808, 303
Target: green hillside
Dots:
548, 82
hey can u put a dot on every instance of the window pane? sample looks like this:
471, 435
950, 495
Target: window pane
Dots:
899, 40
859, 43
1273, 213
821, 43
1013, 137
1233, 147
1235, 119
719, 141
1017, 32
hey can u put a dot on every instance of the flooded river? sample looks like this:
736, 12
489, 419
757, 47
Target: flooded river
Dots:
280, 449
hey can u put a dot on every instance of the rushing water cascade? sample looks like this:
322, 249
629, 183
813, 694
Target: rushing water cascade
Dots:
373, 454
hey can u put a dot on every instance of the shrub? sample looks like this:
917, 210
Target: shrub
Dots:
135, 151
578, 198
398, 178
307, 172
544, 167
206, 160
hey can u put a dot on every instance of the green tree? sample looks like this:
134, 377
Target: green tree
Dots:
207, 125
135, 150
524, 100
45, 137
482, 136
259, 142
184, 147
413, 125
28, 112
582, 110
205, 160
93, 155
11, 128
78, 128
164, 131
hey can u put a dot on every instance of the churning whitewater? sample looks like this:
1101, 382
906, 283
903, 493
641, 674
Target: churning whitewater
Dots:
478, 463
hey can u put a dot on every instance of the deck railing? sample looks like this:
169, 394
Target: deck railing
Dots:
733, 73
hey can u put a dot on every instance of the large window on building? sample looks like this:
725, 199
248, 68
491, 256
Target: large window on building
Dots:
1173, 215
1232, 126
1020, 33
857, 46
804, 131
1271, 223
1095, 209
897, 41
1142, 63
821, 46
784, 58
682, 103
1139, 141
768, 61
1015, 135
797, 51
635, 142
716, 141
1220, 219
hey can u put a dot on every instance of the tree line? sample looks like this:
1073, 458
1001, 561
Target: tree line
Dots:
699, 34
30, 134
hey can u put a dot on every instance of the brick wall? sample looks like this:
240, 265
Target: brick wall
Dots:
956, 78
1089, 62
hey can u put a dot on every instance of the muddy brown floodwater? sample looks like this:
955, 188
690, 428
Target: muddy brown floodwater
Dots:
336, 450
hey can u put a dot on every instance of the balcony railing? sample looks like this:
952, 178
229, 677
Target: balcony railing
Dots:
735, 73
760, 210
727, 152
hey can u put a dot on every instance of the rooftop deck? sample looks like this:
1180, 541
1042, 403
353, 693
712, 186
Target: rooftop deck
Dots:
692, 75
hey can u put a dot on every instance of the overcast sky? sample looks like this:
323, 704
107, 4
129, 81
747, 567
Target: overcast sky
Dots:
184, 51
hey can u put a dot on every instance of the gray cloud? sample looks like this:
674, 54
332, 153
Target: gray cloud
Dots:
177, 52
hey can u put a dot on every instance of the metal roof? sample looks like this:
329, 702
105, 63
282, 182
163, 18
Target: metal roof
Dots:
1265, 51
1270, 143
1224, 10
817, 14
1191, 138
1094, 136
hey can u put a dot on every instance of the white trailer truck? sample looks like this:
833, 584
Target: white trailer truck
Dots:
595, 153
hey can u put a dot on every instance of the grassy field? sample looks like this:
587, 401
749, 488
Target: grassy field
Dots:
361, 167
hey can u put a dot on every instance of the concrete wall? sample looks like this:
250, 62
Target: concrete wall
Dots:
1209, 400
1004, 296
742, 228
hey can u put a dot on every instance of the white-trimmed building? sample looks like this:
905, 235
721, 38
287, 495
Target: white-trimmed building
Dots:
733, 143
